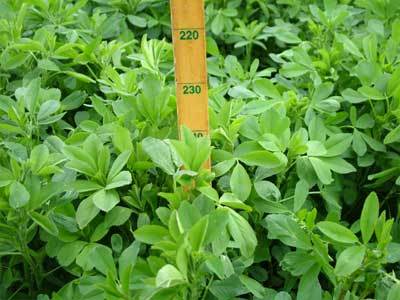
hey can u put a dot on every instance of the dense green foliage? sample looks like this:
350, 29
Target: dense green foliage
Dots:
99, 200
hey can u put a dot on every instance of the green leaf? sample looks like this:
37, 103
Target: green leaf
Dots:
309, 286
151, 234
15, 61
80, 160
265, 87
322, 170
118, 164
116, 243
73, 100
101, 258
286, 36
160, 153
338, 165
127, 260
298, 262
300, 194
38, 158
322, 91
232, 201
241, 92
117, 216
137, 21
31, 95
184, 152
19, 195
202, 153
393, 136
106, 200
393, 252
291, 70
6, 177
212, 46
169, 276
223, 167
337, 144
282, 296
242, 233
365, 121
267, 190
373, 143
316, 129
337, 232
348, 45
393, 87
47, 64
261, 158
80, 77
209, 192
221, 266
229, 288
252, 285
8, 129
394, 292
240, 182
287, 230
371, 93
86, 212
369, 216
217, 222
45, 222
122, 179
197, 233
315, 148
122, 139
349, 260
48, 108
189, 214
82, 186
68, 253
368, 73
359, 146
353, 96
217, 24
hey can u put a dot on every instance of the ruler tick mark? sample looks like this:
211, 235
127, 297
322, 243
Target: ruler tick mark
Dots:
190, 28
200, 82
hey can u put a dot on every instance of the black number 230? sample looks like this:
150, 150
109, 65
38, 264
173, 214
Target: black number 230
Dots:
191, 89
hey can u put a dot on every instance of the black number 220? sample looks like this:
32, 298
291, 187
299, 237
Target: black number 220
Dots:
187, 35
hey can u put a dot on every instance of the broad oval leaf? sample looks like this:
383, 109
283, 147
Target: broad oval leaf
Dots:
240, 182
19, 195
151, 234
169, 276
349, 260
337, 232
369, 216
44, 222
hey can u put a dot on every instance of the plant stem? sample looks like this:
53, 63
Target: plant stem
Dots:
291, 197
249, 49
207, 288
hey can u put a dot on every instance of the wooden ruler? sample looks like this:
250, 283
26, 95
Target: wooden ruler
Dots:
189, 39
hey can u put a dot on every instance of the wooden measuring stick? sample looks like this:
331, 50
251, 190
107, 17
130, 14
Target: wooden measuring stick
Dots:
189, 40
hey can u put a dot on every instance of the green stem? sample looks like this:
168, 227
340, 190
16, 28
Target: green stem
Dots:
291, 197
207, 288
249, 49
372, 108
31, 270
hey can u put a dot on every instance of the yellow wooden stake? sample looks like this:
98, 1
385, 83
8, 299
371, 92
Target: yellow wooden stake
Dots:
189, 39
